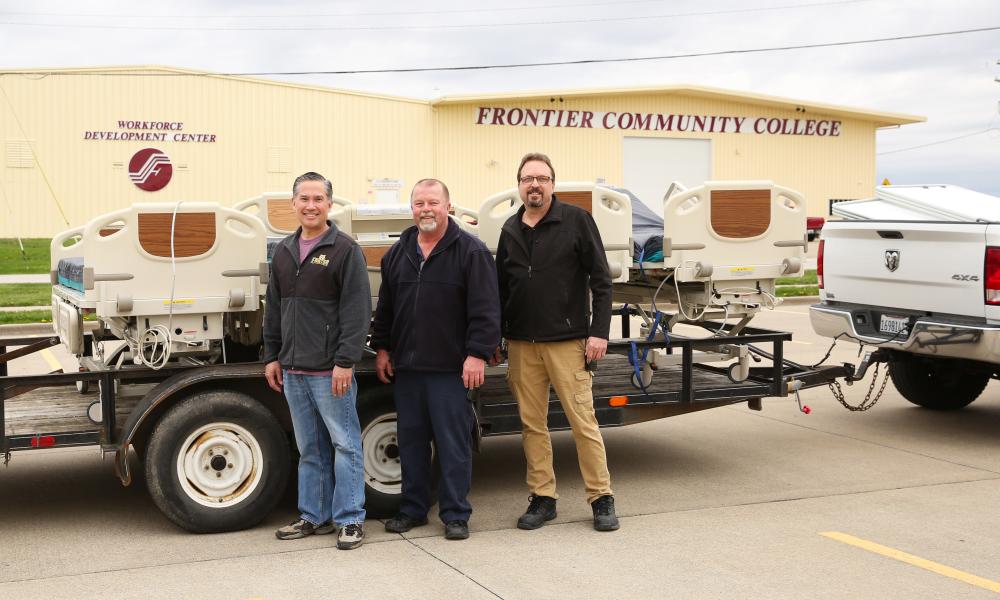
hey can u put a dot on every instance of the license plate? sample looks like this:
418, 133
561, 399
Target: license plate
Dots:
892, 325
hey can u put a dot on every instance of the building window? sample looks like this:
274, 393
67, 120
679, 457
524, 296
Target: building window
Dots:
19, 154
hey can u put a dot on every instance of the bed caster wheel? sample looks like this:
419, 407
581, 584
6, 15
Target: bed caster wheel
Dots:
83, 386
94, 412
737, 372
645, 380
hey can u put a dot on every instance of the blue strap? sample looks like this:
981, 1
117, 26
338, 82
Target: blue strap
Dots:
633, 359
638, 361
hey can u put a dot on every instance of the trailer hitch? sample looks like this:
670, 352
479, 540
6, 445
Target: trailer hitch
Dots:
858, 373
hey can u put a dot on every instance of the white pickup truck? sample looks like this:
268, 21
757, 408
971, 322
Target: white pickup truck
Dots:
917, 274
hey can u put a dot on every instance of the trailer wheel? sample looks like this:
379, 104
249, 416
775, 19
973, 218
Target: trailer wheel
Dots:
937, 384
217, 461
383, 474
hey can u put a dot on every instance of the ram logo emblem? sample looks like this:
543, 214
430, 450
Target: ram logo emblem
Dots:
892, 260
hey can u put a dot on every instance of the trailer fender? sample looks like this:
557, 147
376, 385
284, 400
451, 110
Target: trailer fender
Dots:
176, 387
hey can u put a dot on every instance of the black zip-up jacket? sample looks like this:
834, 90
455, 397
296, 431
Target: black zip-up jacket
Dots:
318, 311
543, 292
432, 318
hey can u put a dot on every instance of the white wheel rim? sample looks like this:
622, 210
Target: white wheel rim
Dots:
381, 448
219, 465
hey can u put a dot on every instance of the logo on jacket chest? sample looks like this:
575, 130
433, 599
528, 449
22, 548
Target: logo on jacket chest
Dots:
321, 260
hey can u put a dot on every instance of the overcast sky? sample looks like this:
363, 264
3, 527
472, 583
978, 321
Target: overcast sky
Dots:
949, 79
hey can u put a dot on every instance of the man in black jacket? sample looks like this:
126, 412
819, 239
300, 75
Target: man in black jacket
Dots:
315, 322
549, 257
436, 324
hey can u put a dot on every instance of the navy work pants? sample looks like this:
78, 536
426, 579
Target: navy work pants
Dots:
434, 407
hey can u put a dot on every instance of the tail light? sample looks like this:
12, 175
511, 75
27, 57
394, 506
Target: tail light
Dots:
991, 279
819, 263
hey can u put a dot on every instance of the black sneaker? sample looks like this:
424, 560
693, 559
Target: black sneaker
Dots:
604, 513
350, 537
402, 523
301, 528
456, 530
540, 510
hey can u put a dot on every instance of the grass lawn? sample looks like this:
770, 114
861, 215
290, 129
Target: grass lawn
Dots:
25, 316
808, 278
25, 294
797, 290
32, 316
34, 260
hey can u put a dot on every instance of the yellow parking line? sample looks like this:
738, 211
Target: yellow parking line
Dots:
51, 359
916, 561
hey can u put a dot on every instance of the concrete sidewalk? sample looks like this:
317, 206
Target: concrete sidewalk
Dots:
25, 278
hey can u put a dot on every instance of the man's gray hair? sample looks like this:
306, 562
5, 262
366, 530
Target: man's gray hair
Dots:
428, 182
312, 176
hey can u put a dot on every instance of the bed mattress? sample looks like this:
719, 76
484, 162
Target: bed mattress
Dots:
70, 272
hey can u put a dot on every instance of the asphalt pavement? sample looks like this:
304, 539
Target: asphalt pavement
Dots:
896, 502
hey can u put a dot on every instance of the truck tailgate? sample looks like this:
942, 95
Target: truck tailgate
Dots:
933, 267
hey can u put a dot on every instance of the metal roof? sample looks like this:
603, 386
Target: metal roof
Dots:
880, 118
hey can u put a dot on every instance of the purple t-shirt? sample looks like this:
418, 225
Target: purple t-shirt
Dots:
305, 247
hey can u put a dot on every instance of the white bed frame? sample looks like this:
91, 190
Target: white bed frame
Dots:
724, 244
179, 266
376, 227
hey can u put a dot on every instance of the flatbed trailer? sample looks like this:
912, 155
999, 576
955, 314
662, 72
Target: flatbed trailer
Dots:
216, 442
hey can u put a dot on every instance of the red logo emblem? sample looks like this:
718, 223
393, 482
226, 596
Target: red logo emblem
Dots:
150, 169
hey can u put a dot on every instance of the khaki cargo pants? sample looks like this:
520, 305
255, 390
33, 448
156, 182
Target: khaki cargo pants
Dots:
531, 368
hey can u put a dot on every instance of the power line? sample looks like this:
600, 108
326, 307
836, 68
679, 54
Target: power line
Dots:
960, 137
419, 27
589, 61
422, 12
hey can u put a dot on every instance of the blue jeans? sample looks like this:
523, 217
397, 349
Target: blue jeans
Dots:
331, 464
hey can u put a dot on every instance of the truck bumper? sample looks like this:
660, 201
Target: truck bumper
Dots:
926, 336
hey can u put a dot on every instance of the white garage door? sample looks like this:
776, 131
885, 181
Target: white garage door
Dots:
652, 164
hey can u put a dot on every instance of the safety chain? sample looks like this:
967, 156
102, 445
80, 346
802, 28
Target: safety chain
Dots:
868, 402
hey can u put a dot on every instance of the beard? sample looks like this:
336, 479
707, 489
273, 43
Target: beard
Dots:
534, 202
427, 226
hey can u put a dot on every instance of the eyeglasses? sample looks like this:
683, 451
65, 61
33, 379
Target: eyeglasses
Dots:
542, 179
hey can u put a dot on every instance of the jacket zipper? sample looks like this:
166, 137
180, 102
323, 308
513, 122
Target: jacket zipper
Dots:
416, 297
295, 312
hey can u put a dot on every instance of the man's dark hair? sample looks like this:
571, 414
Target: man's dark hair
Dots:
312, 176
540, 158
431, 181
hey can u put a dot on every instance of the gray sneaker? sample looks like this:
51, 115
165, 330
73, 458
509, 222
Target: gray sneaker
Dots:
301, 528
350, 537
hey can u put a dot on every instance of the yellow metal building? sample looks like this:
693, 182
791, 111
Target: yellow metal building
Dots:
73, 140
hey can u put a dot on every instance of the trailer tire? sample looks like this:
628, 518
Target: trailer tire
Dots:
937, 384
383, 473
217, 461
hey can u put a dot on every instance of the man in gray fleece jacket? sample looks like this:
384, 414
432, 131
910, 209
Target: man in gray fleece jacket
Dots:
315, 322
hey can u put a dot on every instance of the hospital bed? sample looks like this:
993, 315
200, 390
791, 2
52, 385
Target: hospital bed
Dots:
376, 227
160, 276
723, 245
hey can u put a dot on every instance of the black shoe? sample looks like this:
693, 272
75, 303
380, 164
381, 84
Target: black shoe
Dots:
402, 523
604, 513
456, 530
540, 510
